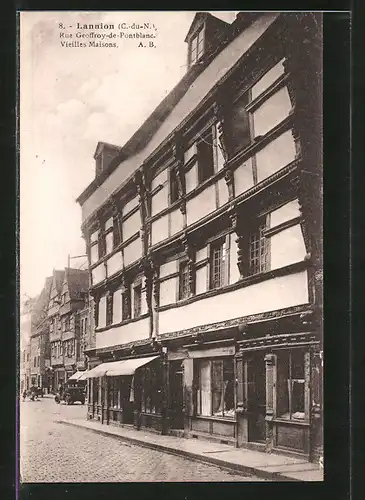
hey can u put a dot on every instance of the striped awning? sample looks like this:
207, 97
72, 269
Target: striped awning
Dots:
77, 376
117, 368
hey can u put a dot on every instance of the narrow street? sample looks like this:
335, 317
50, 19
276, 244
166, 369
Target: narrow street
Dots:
52, 452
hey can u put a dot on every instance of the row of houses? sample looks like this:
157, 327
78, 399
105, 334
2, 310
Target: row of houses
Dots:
55, 331
203, 235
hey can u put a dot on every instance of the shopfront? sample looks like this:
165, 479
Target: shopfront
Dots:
209, 394
274, 406
127, 392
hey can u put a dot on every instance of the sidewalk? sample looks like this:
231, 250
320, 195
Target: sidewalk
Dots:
268, 466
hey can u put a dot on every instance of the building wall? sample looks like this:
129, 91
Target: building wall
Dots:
215, 71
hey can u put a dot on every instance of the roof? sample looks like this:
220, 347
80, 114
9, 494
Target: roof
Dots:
200, 18
78, 282
101, 145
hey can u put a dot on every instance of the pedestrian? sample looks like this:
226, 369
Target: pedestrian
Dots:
24, 394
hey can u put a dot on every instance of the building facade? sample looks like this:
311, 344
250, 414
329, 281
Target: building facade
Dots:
204, 242
67, 298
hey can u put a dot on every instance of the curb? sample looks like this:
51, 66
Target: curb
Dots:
252, 471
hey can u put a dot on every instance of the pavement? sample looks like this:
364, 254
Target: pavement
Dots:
272, 467
52, 452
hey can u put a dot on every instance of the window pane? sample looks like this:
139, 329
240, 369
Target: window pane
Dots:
259, 251
184, 280
205, 388
217, 387
228, 380
267, 79
283, 388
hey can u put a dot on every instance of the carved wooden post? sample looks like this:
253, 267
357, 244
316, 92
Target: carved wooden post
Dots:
220, 109
189, 251
236, 223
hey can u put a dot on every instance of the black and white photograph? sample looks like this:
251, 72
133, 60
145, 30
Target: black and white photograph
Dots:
171, 247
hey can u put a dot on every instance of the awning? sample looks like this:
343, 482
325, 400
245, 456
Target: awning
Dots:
100, 370
76, 376
116, 368
128, 366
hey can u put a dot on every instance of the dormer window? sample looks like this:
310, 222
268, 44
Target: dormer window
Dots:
196, 47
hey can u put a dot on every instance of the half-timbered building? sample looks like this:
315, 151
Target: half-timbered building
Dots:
204, 241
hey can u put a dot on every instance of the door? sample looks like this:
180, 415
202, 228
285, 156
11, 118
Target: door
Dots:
176, 394
256, 397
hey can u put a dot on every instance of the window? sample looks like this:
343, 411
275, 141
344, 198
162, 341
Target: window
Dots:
291, 385
67, 323
258, 250
117, 237
96, 312
217, 264
184, 280
137, 298
174, 189
126, 305
240, 125
28, 356
215, 388
205, 157
196, 48
35, 361
151, 388
38, 360
109, 309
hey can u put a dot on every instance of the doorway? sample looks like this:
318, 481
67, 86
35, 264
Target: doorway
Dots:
256, 397
176, 374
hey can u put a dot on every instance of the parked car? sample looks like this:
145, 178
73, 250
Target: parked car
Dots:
71, 393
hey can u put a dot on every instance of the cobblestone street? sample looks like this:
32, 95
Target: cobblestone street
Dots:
52, 452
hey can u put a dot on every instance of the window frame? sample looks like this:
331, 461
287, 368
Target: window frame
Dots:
223, 388
305, 381
137, 305
184, 286
213, 246
197, 40
260, 262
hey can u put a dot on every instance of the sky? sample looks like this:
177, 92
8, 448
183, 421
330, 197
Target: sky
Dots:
71, 98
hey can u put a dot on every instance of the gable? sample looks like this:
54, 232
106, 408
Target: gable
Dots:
198, 21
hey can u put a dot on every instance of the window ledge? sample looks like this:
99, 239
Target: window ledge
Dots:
279, 420
222, 419
243, 282
121, 323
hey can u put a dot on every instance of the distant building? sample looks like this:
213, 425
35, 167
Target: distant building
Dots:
204, 241
69, 294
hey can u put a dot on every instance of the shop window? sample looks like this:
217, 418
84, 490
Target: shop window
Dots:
113, 390
151, 384
215, 388
184, 280
258, 250
291, 385
217, 263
